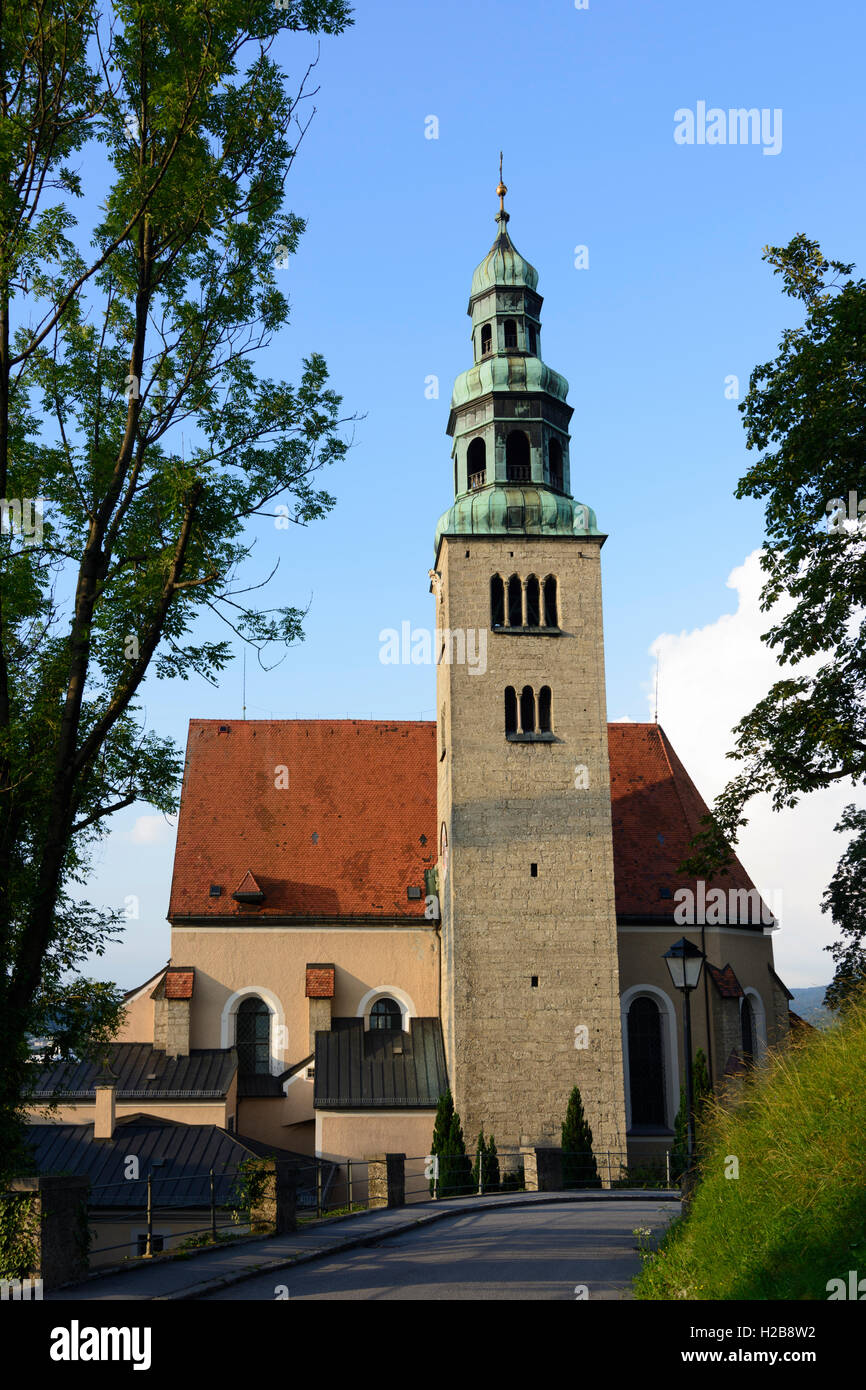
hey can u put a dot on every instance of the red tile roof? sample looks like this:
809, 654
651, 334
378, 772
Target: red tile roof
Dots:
179, 983
656, 810
356, 825
320, 981
725, 981
352, 830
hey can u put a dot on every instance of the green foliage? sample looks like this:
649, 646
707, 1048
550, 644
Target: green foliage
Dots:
845, 900
485, 1168
455, 1168
701, 1093
130, 401
795, 1217
804, 412
19, 1234
250, 1187
579, 1167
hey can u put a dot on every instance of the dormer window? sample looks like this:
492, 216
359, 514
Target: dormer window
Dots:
486, 339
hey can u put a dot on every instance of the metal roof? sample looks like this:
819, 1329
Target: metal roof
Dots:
187, 1152
205, 1072
357, 1068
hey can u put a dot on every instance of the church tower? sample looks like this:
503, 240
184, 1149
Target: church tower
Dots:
530, 984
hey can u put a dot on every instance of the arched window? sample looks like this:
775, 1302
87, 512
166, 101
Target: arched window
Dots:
551, 611
486, 339
646, 1063
515, 601
747, 1029
510, 331
510, 710
386, 1013
554, 455
517, 463
545, 725
476, 463
527, 710
252, 1036
533, 602
533, 340
497, 601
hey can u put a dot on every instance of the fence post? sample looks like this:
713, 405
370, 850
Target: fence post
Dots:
213, 1226
349, 1181
609, 1180
480, 1173
148, 1250
318, 1188
387, 1180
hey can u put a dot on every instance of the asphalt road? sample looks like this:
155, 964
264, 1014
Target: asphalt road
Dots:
518, 1253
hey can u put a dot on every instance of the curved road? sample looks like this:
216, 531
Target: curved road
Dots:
517, 1253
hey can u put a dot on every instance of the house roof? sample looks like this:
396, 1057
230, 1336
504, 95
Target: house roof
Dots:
725, 981
358, 1068
188, 1152
205, 1072
352, 830
356, 826
656, 810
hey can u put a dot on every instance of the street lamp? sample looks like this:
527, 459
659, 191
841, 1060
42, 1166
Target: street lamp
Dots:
684, 961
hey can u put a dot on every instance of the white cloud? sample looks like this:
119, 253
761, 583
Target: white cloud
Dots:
150, 830
709, 679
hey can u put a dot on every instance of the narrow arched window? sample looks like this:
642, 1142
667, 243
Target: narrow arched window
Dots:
533, 602
646, 1063
545, 725
386, 1013
486, 339
252, 1036
554, 455
533, 340
551, 608
476, 463
527, 710
510, 331
515, 601
747, 1029
517, 461
497, 601
510, 710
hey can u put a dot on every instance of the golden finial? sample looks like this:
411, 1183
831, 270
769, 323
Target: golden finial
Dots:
501, 189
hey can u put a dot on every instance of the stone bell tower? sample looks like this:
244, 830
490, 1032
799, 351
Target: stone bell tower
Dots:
530, 987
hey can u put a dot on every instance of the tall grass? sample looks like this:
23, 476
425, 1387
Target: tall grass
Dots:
795, 1217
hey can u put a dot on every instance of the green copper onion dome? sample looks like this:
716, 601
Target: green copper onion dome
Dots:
509, 413
523, 510
503, 265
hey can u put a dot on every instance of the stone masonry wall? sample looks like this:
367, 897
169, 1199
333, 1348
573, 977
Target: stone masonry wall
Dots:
511, 1046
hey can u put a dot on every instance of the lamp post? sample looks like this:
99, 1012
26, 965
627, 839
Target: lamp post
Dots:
684, 961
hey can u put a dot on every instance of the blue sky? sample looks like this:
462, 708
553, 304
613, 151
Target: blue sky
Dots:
675, 300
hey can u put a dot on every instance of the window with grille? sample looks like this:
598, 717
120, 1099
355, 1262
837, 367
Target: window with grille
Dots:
253, 1037
386, 1013
646, 1063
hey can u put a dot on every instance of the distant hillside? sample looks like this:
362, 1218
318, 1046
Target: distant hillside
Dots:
809, 1004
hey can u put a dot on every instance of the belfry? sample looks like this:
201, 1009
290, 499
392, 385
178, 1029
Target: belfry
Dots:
530, 983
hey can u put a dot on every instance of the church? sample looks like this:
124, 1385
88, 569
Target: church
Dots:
365, 914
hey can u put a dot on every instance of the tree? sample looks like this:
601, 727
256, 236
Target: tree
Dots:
441, 1133
457, 1180
805, 411
578, 1160
701, 1093
130, 405
845, 900
485, 1166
